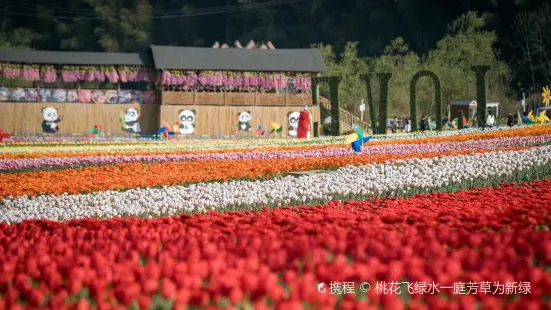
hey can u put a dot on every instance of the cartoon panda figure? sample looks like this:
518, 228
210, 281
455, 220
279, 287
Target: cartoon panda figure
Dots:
131, 124
50, 120
244, 123
187, 122
293, 123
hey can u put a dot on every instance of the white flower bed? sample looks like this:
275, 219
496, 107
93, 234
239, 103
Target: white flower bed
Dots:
368, 179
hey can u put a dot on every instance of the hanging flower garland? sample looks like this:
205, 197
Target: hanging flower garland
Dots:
11, 71
231, 80
31, 73
48, 74
190, 80
111, 74
69, 74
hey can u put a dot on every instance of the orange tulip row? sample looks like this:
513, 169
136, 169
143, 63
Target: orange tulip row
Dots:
125, 176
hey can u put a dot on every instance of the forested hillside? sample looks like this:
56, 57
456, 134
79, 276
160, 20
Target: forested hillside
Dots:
465, 44
401, 34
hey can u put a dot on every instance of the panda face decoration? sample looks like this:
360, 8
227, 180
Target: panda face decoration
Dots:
50, 114
131, 115
131, 124
187, 122
293, 123
50, 118
244, 121
245, 117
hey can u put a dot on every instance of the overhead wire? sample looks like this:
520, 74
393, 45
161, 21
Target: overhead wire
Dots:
159, 14
93, 11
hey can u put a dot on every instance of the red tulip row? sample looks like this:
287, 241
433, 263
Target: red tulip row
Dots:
275, 258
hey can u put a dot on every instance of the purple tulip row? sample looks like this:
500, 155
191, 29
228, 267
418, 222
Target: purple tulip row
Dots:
59, 162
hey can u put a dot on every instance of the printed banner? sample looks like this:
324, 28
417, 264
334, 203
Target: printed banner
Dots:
60, 95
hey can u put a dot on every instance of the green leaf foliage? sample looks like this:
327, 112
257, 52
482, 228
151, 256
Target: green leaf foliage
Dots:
465, 44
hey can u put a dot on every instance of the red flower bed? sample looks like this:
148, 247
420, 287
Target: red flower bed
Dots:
276, 258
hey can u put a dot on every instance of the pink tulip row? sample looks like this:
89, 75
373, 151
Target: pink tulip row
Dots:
43, 162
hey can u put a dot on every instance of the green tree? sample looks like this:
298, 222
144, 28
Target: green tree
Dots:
349, 65
20, 38
467, 44
403, 64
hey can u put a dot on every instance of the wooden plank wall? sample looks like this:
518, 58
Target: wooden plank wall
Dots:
235, 99
222, 120
216, 113
77, 117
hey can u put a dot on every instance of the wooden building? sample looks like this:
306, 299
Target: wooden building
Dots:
208, 91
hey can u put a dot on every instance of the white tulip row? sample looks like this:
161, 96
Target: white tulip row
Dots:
361, 180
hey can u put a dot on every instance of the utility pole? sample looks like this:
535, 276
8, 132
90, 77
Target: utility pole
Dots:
362, 109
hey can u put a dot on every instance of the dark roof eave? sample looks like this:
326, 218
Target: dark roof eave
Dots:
75, 58
182, 58
279, 60
236, 70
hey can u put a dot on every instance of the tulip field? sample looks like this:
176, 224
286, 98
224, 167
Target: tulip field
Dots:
450, 220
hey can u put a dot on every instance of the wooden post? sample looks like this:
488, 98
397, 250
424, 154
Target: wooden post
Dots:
316, 129
160, 92
334, 82
315, 91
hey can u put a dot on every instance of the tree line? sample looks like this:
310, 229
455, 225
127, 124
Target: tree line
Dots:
466, 43
399, 34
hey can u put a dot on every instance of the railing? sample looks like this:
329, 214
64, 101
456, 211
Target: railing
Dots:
346, 117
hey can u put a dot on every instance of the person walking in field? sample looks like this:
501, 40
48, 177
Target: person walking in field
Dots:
304, 120
490, 120
394, 125
423, 123
510, 120
407, 126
